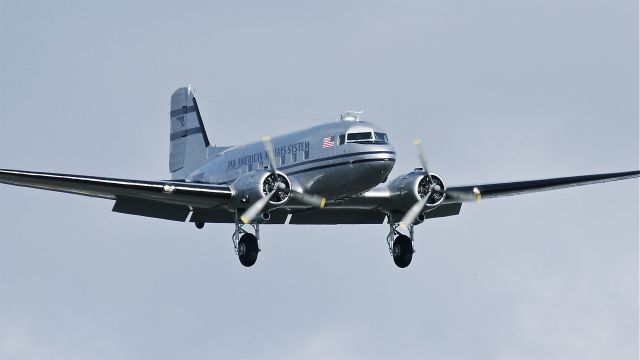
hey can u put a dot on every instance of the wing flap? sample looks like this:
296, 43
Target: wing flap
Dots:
328, 216
222, 216
444, 210
150, 208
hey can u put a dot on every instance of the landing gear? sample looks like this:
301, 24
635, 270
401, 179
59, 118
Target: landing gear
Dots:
402, 251
400, 248
246, 243
199, 224
248, 249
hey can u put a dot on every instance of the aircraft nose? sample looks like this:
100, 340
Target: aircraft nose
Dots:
389, 151
386, 160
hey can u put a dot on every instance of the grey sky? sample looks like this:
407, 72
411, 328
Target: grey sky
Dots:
498, 90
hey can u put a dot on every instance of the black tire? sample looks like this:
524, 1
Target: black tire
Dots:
199, 224
402, 251
248, 249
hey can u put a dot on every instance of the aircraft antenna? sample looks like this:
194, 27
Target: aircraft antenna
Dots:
351, 115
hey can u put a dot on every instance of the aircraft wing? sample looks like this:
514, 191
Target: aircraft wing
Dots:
162, 199
370, 208
483, 191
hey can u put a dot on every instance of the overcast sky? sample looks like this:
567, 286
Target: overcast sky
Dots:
498, 90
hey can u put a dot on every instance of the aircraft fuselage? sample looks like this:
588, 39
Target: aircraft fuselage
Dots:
335, 159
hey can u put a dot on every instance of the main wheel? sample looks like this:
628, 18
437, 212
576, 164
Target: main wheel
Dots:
248, 249
402, 251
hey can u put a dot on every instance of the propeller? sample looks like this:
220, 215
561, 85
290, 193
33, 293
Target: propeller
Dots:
474, 195
313, 200
309, 199
415, 210
423, 161
268, 146
256, 208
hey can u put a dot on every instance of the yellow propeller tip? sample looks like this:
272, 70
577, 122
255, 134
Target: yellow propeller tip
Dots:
244, 220
403, 225
417, 142
266, 138
323, 202
476, 191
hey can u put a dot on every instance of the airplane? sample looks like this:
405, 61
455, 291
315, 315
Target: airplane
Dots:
332, 173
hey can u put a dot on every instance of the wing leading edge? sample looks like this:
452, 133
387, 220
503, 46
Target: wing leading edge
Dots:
482, 191
175, 200
165, 199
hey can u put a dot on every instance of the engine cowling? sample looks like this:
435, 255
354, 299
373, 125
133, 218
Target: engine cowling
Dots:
412, 187
254, 185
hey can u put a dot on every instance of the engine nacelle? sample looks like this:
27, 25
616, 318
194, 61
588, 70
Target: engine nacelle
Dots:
255, 185
408, 189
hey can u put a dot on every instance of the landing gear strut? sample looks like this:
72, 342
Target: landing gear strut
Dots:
400, 248
246, 243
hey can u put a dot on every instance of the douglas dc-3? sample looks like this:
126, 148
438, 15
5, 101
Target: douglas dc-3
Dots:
334, 173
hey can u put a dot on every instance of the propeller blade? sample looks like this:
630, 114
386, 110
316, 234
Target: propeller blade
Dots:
413, 213
423, 158
313, 200
256, 208
268, 146
474, 195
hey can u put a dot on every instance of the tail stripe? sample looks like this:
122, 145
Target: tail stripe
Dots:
183, 111
184, 133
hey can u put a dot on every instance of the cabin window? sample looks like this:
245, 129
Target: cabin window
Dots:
305, 155
294, 157
341, 140
283, 159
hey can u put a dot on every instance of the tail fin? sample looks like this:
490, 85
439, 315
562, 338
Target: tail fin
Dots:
189, 141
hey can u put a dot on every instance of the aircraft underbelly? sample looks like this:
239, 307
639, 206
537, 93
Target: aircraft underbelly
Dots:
347, 179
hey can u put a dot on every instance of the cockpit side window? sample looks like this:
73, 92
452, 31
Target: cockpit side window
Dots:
341, 140
360, 137
381, 138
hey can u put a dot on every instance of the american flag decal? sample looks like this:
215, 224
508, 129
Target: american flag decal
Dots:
327, 142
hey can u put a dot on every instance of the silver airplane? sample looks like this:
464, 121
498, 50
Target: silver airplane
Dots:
335, 173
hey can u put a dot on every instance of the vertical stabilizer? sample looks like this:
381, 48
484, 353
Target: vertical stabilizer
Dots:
189, 142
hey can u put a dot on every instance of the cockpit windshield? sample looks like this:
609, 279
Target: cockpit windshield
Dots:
359, 137
367, 138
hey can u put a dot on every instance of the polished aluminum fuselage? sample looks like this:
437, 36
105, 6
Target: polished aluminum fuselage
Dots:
309, 160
